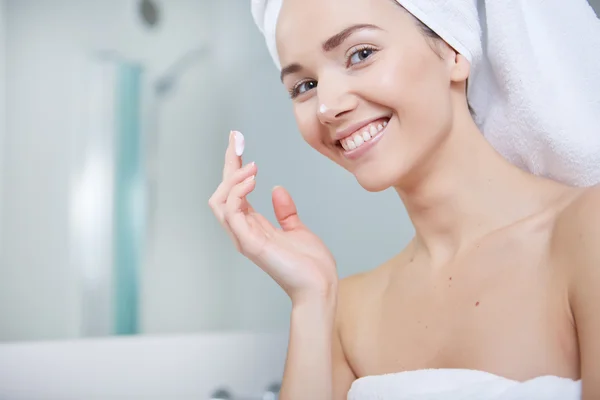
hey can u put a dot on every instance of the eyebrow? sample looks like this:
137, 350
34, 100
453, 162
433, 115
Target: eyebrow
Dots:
329, 45
290, 69
339, 38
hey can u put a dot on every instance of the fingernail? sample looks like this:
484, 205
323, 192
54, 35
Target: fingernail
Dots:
239, 143
249, 179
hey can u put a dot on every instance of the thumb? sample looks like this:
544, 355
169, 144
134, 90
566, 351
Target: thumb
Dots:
285, 209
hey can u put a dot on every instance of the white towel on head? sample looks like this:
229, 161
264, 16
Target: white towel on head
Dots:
461, 384
535, 79
265, 14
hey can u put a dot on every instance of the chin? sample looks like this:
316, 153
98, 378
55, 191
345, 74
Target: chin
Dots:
375, 183
384, 173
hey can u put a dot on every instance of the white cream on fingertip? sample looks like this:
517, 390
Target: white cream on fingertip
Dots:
240, 143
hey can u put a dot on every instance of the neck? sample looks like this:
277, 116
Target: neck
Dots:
467, 190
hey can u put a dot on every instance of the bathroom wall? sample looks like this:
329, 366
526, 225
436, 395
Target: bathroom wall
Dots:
37, 292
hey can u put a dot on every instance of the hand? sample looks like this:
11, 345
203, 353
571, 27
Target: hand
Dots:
292, 255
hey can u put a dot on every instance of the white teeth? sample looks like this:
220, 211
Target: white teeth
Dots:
358, 139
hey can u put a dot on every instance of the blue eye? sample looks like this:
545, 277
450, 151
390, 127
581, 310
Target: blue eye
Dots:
360, 55
302, 88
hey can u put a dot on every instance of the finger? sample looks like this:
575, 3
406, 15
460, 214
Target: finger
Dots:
285, 209
247, 186
235, 205
233, 159
219, 197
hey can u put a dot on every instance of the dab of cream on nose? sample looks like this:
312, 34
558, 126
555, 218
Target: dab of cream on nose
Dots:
239, 143
323, 109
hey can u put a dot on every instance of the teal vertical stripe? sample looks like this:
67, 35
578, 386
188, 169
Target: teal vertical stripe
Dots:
128, 200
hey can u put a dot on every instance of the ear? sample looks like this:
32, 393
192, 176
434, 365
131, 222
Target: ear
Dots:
460, 68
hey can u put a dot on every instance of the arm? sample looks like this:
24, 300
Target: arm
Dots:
316, 367
583, 225
308, 367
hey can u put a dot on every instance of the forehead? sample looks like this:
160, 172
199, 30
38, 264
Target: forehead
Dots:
304, 24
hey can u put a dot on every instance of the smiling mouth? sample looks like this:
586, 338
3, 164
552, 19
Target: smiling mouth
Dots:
363, 135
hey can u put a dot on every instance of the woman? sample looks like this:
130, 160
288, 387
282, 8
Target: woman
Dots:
503, 274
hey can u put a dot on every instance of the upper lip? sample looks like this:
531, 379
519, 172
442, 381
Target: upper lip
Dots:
344, 133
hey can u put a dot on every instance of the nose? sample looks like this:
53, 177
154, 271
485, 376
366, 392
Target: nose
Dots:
334, 102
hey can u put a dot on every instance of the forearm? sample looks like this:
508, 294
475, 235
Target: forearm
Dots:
308, 369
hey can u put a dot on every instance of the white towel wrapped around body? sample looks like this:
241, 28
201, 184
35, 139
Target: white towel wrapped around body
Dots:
535, 81
461, 384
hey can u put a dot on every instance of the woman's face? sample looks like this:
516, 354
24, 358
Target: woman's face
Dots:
370, 91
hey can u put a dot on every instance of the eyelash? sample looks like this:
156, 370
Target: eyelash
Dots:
294, 92
357, 50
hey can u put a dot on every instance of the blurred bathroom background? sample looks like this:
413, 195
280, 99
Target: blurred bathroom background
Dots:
114, 117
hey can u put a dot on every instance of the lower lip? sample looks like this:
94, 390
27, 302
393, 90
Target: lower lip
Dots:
356, 153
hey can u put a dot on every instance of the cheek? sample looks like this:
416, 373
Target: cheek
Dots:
411, 84
309, 125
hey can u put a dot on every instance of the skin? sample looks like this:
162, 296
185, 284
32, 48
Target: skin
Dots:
503, 274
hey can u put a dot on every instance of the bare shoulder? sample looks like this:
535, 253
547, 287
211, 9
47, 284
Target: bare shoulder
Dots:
576, 236
359, 294
362, 287
577, 245
577, 227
